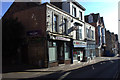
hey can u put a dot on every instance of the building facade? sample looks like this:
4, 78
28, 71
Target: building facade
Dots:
98, 22
49, 39
90, 39
111, 44
77, 12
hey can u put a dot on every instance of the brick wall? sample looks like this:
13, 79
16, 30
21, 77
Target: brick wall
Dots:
35, 19
18, 6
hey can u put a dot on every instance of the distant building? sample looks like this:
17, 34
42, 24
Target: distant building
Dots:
98, 22
90, 39
111, 44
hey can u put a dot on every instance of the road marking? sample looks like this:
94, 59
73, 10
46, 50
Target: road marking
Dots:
93, 67
63, 76
115, 76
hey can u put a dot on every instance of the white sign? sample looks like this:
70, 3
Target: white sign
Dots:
79, 44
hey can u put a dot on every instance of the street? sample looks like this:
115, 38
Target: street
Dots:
102, 70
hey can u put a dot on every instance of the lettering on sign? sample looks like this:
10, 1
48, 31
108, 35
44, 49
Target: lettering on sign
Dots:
59, 38
34, 33
79, 44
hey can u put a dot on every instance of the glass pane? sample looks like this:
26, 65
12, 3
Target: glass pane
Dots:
52, 54
54, 43
66, 51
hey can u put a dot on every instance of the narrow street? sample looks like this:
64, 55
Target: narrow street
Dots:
106, 69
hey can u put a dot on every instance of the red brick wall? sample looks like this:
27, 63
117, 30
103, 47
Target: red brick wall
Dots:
18, 6
35, 19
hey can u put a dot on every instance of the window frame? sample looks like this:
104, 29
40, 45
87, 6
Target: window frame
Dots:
74, 11
55, 25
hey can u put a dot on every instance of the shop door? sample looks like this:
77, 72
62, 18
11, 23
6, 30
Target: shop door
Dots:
81, 55
61, 54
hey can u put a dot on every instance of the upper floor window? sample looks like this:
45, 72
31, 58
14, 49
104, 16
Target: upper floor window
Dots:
73, 11
90, 19
99, 31
65, 26
103, 31
79, 34
55, 23
92, 34
87, 32
80, 15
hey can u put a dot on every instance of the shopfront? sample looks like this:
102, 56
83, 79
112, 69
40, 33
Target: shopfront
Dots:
79, 50
90, 50
59, 50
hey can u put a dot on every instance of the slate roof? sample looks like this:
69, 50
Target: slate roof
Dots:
95, 17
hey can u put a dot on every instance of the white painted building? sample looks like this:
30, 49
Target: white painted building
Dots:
77, 12
90, 39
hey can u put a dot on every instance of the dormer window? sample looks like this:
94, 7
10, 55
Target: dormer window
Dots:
73, 11
90, 19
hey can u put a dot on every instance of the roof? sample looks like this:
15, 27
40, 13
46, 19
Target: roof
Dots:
78, 5
95, 17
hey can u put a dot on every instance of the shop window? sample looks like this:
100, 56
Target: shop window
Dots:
67, 51
52, 51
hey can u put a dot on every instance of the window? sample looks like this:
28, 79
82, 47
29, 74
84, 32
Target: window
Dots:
52, 51
74, 11
80, 15
92, 34
77, 34
90, 19
67, 51
87, 32
65, 26
55, 23
80, 33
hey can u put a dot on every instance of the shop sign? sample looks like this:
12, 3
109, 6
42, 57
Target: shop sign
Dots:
59, 38
79, 44
34, 33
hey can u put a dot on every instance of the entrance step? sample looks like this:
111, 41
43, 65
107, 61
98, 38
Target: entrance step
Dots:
61, 64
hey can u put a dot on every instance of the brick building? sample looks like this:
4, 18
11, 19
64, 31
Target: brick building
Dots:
48, 34
111, 43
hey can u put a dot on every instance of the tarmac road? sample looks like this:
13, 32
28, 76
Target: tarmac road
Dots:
104, 70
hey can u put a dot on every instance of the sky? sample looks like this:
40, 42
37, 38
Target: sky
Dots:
108, 9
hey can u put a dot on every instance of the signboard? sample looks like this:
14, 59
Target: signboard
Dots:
34, 33
79, 44
59, 38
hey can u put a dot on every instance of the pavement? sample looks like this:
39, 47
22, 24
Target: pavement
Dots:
32, 73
